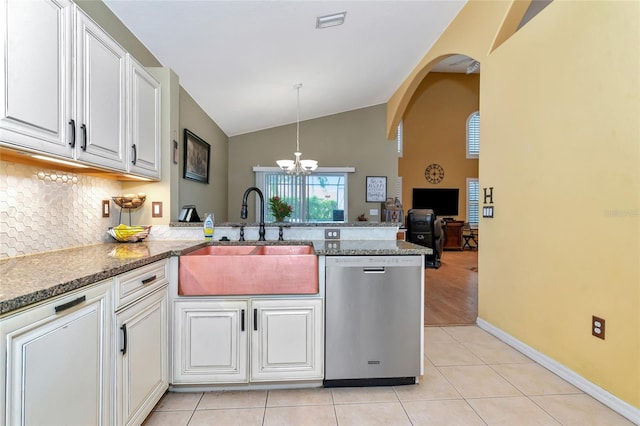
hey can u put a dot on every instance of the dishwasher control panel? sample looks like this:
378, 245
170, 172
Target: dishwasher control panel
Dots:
364, 261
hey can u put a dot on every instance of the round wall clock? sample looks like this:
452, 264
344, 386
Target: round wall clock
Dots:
434, 173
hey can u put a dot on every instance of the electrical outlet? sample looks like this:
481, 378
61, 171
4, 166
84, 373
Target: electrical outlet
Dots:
597, 327
332, 245
331, 234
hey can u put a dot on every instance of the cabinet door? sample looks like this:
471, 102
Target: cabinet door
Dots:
36, 77
100, 96
141, 357
287, 342
57, 363
210, 341
144, 122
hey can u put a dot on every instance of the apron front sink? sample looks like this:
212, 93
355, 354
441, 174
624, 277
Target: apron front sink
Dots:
249, 270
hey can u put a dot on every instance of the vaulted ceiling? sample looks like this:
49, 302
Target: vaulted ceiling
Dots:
240, 60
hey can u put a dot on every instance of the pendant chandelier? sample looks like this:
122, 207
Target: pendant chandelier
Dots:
298, 167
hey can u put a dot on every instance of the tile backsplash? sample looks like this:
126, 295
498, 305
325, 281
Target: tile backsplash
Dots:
46, 209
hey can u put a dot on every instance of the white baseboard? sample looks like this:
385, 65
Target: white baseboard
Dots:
616, 404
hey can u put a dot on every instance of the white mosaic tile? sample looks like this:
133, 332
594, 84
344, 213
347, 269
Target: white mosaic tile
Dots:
46, 209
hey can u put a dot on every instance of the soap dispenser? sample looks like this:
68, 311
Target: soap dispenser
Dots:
208, 225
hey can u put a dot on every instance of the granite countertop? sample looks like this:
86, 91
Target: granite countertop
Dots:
31, 279
362, 224
27, 280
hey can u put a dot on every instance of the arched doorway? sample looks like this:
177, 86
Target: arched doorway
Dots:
435, 132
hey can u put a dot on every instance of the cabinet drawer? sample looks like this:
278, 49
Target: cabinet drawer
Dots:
139, 282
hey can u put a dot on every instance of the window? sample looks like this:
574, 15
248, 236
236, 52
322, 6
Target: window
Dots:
473, 195
473, 135
318, 197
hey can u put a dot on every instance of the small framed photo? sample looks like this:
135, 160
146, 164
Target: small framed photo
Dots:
196, 158
376, 189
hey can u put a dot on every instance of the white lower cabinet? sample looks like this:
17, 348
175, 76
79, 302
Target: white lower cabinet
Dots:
141, 344
210, 341
250, 340
58, 361
287, 337
141, 359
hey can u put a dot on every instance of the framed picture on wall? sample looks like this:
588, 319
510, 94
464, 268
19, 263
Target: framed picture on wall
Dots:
376, 189
196, 158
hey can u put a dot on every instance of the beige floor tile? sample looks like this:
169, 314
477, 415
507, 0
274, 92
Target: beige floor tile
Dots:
363, 394
311, 415
384, 414
291, 397
432, 385
518, 410
232, 399
496, 352
579, 410
478, 381
230, 417
469, 334
440, 413
450, 353
437, 334
172, 401
168, 418
533, 379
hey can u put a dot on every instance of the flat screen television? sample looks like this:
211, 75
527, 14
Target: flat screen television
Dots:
443, 201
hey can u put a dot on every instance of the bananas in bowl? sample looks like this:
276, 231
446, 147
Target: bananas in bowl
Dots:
129, 234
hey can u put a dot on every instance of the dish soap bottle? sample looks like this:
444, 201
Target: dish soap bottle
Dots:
208, 226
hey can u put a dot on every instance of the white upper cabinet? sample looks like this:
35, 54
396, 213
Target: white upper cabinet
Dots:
36, 78
70, 90
101, 73
144, 123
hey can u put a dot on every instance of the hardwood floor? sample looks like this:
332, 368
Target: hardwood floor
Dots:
451, 292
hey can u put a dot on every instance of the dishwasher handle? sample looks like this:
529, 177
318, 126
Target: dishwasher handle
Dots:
374, 270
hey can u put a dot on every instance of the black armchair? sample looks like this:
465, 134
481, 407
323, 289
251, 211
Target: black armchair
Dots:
425, 229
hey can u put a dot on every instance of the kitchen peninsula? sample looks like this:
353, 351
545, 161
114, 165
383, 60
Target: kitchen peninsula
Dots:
119, 302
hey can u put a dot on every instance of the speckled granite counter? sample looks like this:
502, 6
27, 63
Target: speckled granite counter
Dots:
31, 279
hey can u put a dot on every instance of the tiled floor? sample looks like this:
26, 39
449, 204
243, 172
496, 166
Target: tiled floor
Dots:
471, 378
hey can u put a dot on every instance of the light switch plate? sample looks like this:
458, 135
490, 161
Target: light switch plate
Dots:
105, 208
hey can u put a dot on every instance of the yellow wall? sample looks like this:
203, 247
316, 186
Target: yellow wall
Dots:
434, 131
560, 108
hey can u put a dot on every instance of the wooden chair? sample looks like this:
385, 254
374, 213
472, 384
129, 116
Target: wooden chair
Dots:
469, 235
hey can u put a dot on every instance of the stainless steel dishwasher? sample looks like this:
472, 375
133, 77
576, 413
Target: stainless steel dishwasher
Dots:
373, 320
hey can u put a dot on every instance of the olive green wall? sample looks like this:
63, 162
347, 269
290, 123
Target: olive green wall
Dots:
434, 127
212, 196
355, 139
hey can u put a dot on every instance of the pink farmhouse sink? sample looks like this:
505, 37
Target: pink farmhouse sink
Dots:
247, 270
